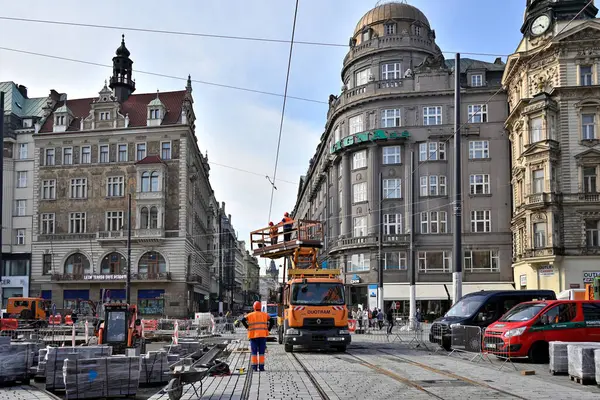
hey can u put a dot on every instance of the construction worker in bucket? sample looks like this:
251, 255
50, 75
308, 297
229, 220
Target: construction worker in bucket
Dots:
258, 324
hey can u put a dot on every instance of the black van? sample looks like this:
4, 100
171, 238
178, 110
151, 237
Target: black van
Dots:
481, 309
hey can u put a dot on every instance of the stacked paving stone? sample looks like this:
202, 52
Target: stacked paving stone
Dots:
559, 358
4, 340
185, 347
581, 361
16, 360
101, 377
154, 367
597, 361
57, 355
41, 366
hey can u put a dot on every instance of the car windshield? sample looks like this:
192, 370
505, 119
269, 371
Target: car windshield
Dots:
318, 294
271, 309
466, 307
523, 312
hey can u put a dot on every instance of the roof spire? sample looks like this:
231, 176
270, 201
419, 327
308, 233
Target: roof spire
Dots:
157, 94
188, 86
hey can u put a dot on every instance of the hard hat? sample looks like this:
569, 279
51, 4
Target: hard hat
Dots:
286, 214
270, 224
257, 306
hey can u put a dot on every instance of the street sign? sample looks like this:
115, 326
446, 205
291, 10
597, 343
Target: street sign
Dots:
53, 309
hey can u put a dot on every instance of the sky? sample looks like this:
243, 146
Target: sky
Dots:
238, 129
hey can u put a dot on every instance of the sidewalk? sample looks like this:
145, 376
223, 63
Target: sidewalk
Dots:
25, 392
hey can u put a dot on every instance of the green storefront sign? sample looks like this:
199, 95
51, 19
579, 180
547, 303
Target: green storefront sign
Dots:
369, 136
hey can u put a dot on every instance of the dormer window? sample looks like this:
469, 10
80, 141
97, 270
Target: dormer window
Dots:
390, 29
60, 120
477, 80
366, 34
104, 116
154, 113
417, 30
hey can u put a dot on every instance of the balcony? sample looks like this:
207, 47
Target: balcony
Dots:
385, 42
539, 135
193, 278
157, 195
542, 252
369, 241
581, 197
93, 278
138, 235
392, 240
67, 237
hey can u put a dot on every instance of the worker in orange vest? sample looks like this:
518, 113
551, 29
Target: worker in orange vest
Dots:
273, 232
287, 227
258, 324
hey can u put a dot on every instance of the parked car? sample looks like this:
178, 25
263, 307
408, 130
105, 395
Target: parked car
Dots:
479, 310
527, 328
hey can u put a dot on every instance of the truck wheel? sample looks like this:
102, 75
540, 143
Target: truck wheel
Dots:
289, 348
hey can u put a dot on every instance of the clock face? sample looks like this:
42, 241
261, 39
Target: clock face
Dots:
540, 25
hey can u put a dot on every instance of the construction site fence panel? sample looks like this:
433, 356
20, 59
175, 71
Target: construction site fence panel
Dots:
466, 338
150, 325
224, 325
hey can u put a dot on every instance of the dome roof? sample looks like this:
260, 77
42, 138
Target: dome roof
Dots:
389, 11
122, 50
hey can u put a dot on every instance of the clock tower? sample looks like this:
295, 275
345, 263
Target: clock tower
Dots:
541, 15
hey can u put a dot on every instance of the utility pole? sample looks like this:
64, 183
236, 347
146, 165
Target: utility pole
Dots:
412, 304
457, 251
1, 194
380, 244
221, 262
128, 281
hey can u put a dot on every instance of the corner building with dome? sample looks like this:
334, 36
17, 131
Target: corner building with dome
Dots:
397, 103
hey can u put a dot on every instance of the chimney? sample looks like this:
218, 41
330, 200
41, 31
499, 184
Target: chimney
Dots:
498, 60
23, 90
54, 95
223, 206
229, 216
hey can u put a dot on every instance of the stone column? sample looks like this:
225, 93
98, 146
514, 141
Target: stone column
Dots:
373, 162
346, 182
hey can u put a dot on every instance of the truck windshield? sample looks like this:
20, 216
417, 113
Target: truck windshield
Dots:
116, 326
271, 309
466, 307
318, 294
523, 312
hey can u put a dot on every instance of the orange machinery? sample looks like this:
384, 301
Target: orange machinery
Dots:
313, 299
121, 328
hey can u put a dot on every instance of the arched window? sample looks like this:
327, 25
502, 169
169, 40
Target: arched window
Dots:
145, 182
152, 263
77, 264
154, 181
113, 263
153, 218
144, 218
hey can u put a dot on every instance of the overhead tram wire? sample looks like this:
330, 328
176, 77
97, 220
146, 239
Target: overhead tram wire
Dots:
204, 35
162, 75
287, 80
457, 68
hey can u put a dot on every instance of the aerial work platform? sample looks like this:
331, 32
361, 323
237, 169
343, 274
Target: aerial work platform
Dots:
300, 243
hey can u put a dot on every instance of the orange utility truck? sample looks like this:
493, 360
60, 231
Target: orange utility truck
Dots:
313, 299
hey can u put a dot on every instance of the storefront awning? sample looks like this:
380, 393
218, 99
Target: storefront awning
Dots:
436, 291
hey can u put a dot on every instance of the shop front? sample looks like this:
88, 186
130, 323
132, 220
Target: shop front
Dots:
151, 302
14, 286
567, 273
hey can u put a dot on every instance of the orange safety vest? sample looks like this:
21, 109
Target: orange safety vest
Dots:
274, 231
258, 325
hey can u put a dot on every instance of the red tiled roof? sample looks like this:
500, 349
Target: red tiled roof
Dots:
151, 160
135, 106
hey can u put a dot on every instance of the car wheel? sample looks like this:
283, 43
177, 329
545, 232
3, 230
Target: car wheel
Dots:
538, 353
341, 349
289, 348
447, 346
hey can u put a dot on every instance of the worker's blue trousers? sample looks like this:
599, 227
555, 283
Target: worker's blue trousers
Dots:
258, 346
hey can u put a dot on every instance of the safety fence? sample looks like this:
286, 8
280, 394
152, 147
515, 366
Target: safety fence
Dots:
413, 333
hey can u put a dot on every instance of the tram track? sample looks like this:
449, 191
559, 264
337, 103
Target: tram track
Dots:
311, 377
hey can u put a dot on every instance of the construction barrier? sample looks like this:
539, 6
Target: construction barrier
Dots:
68, 320
9, 324
55, 319
352, 325
150, 325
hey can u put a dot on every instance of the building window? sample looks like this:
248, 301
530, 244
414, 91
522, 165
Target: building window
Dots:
114, 186
149, 218
482, 261
432, 115
432, 151
479, 149
535, 130
123, 156
538, 181
104, 116
434, 261
395, 260
417, 30
165, 152
392, 224
479, 184
359, 262
391, 189
50, 157
390, 71
390, 29
20, 237
359, 192
60, 120
79, 188
47, 224
588, 125
355, 124
49, 189
77, 264
592, 233
155, 113
336, 134
359, 159
46, 264
77, 222
114, 220
68, 156
586, 75
360, 226
539, 235
433, 185
434, 222
86, 155
103, 153
22, 151
21, 179
477, 80
390, 118
391, 155
140, 151
589, 180
20, 208
477, 113
481, 221
362, 77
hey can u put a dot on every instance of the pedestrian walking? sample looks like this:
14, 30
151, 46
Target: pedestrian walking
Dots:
380, 319
390, 320
418, 318
258, 324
